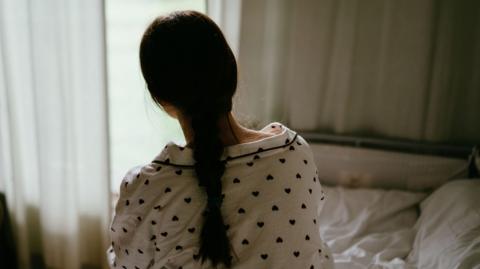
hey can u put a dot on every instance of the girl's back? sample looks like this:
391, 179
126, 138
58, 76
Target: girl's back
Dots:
272, 200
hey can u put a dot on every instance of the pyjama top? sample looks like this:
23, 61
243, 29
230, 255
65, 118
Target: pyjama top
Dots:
271, 207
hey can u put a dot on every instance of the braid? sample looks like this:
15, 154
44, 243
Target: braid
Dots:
187, 63
209, 168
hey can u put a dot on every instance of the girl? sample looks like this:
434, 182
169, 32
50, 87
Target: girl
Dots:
231, 197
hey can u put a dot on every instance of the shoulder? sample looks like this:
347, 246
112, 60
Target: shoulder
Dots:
297, 141
130, 181
139, 177
288, 139
131, 205
130, 177
300, 148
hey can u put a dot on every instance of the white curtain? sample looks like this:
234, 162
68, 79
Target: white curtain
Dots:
227, 15
405, 69
263, 44
53, 131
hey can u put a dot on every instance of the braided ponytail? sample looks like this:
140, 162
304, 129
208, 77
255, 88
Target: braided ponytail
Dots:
187, 62
208, 149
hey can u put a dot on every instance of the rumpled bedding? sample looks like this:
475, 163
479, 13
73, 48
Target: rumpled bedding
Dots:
376, 228
369, 228
448, 230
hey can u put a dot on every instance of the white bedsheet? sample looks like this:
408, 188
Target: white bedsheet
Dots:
369, 228
448, 230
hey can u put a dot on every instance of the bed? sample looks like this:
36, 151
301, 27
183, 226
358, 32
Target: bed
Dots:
399, 204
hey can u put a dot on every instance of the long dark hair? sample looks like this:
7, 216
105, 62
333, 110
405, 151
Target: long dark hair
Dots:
187, 62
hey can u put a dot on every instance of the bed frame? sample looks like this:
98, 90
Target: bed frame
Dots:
467, 152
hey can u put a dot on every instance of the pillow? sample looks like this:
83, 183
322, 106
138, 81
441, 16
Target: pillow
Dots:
370, 168
448, 230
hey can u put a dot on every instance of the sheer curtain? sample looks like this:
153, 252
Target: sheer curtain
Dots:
405, 69
53, 131
227, 15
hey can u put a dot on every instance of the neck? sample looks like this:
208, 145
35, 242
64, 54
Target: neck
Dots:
230, 130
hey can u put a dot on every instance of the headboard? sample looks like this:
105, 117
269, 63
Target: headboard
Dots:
383, 163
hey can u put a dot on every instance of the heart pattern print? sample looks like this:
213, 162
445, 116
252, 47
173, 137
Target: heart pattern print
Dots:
272, 198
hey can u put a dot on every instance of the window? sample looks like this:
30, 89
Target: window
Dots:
138, 129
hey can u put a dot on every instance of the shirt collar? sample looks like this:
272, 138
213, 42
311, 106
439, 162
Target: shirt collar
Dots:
180, 155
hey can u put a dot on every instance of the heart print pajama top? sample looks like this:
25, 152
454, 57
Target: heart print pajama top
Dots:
271, 207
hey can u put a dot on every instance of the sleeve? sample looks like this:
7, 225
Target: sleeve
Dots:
128, 247
320, 195
306, 147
